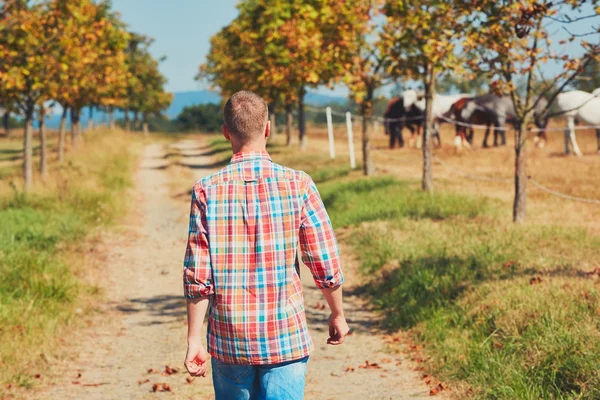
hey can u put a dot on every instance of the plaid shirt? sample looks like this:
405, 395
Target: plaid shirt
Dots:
246, 222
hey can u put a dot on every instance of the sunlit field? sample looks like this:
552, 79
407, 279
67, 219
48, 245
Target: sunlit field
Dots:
499, 310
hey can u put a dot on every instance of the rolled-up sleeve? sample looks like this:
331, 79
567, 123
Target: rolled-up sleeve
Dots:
318, 245
197, 271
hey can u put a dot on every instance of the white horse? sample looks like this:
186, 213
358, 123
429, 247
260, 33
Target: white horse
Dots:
583, 107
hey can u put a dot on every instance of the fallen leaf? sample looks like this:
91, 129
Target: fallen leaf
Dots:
161, 387
440, 387
535, 280
349, 369
169, 371
141, 382
151, 371
37, 376
368, 365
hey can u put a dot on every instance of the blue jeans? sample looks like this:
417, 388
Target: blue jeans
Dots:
283, 381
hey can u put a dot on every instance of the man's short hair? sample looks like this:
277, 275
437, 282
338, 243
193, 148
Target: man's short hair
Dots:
246, 116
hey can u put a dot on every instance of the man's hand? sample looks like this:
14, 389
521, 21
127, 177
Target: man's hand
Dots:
196, 358
338, 329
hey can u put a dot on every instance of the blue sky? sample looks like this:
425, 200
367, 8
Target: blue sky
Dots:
182, 29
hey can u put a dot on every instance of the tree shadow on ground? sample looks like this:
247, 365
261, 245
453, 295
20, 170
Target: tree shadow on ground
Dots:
161, 309
415, 290
210, 165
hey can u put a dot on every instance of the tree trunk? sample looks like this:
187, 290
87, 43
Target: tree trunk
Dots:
273, 119
75, 127
135, 120
61, 135
289, 119
111, 119
127, 123
43, 162
90, 124
427, 182
520, 200
145, 125
301, 120
368, 167
28, 150
6, 123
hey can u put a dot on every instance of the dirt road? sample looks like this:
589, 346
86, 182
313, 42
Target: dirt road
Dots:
141, 326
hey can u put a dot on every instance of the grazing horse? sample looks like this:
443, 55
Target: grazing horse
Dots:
397, 116
579, 106
464, 134
440, 106
501, 110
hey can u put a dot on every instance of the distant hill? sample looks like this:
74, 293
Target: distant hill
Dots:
184, 99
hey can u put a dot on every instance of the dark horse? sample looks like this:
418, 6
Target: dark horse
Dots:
490, 109
397, 117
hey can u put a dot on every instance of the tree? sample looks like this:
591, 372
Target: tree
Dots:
421, 38
281, 47
91, 57
367, 72
244, 57
589, 79
509, 41
201, 117
27, 68
145, 84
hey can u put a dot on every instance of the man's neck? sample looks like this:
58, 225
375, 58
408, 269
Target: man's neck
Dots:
249, 148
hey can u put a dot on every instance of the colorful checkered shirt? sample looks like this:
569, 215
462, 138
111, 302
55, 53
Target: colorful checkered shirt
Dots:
246, 223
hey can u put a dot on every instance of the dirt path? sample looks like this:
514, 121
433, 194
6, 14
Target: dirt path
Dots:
142, 326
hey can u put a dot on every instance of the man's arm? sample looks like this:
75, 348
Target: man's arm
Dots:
321, 255
197, 282
338, 327
196, 357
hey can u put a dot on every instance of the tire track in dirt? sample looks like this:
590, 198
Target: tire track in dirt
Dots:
141, 324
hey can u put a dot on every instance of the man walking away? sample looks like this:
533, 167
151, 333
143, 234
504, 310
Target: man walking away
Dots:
246, 223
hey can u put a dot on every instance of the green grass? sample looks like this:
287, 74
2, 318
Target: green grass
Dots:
39, 234
445, 268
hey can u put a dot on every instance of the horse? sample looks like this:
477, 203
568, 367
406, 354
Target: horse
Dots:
579, 106
440, 106
464, 134
397, 116
501, 110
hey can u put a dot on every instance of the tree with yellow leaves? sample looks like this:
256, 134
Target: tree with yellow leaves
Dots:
27, 76
279, 48
509, 41
421, 38
367, 71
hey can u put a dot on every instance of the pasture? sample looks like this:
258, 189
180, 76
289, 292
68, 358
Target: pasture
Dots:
499, 310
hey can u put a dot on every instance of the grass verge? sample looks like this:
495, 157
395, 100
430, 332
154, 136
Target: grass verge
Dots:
39, 233
502, 311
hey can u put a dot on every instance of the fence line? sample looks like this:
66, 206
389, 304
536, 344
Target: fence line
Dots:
562, 195
451, 121
349, 117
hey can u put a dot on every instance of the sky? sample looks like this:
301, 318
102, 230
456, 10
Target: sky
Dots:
182, 30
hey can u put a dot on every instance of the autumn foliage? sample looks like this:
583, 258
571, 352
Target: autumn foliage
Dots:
74, 53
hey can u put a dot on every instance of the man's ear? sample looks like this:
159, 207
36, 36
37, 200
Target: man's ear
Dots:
268, 130
225, 132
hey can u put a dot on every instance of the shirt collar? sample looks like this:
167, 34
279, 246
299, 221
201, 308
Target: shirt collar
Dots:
249, 156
